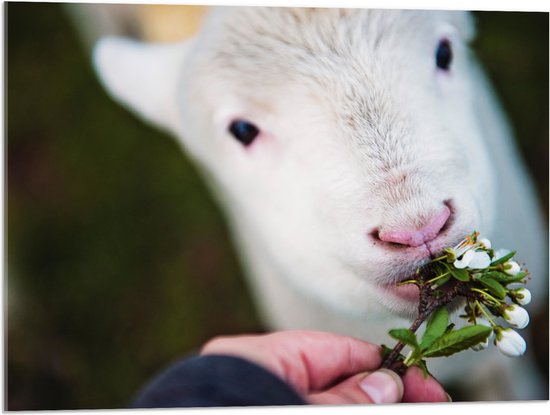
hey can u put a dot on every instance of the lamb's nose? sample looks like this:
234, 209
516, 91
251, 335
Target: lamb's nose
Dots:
417, 237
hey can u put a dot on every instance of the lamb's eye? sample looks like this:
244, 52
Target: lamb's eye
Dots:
444, 55
244, 131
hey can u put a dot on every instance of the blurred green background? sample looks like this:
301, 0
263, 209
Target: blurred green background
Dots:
119, 261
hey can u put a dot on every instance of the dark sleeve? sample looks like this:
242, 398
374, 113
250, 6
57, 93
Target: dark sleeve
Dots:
216, 380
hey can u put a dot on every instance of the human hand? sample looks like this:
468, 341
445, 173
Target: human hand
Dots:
326, 368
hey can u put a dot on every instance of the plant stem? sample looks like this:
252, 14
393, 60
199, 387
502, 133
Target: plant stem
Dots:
427, 304
485, 314
439, 277
486, 295
390, 361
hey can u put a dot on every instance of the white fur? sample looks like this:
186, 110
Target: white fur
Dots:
359, 131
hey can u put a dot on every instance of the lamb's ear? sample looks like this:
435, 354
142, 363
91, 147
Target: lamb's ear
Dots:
142, 76
465, 23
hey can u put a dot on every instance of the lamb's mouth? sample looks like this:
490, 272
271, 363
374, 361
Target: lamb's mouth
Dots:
405, 292
410, 292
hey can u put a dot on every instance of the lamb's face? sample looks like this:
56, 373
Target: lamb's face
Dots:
346, 143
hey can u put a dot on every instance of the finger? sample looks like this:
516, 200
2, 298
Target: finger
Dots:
382, 386
308, 360
422, 389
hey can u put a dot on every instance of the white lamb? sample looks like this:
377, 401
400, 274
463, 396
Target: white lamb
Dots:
347, 147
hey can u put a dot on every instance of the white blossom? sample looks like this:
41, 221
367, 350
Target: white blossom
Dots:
464, 246
522, 296
473, 259
516, 316
510, 343
512, 268
472, 253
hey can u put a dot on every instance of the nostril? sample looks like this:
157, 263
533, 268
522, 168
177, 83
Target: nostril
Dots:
415, 237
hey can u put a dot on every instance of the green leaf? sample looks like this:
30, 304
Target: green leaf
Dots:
494, 287
438, 268
422, 364
495, 275
516, 278
504, 278
504, 258
405, 336
435, 328
460, 274
458, 340
441, 281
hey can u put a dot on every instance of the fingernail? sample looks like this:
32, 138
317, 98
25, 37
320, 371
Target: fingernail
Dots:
449, 399
383, 386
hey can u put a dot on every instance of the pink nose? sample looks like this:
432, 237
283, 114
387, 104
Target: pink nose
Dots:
420, 236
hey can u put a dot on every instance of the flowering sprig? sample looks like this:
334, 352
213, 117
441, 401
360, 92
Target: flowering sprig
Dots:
484, 278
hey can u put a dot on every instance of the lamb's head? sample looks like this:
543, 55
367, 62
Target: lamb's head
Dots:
346, 143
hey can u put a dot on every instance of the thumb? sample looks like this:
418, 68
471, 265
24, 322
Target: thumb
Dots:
382, 386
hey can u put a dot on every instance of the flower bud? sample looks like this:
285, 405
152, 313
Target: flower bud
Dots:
510, 343
485, 243
516, 316
481, 346
522, 296
451, 254
511, 268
